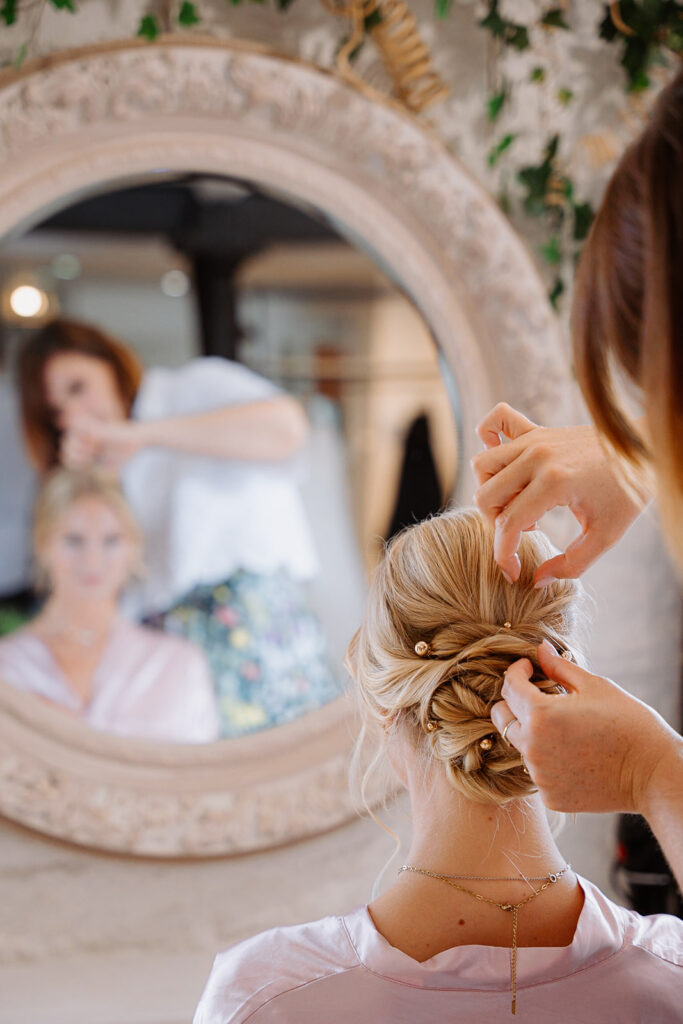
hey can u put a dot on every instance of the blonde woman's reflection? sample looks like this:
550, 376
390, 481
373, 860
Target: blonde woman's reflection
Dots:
79, 652
205, 454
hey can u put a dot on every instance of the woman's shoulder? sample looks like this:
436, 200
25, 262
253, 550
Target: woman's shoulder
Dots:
255, 971
151, 642
198, 385
23, 643
660, 935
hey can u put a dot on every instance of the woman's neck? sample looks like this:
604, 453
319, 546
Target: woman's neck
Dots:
504, 851
453, 835
66, 616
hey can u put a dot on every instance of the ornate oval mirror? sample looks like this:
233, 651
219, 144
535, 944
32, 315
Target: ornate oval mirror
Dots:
313, 270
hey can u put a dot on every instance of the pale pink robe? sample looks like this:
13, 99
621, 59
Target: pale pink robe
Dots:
148, 684
619, 969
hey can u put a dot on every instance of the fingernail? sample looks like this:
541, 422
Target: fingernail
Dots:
507, 576
548, 648
544, 581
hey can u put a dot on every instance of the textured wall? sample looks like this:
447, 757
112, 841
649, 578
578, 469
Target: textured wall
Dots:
99, 940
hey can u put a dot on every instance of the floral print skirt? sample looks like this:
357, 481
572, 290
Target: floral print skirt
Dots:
265, 646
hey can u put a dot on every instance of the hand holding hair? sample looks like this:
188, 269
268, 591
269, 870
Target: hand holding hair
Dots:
539, 469
595, 748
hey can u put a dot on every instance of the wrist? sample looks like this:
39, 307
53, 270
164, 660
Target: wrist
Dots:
145, 433
662, 781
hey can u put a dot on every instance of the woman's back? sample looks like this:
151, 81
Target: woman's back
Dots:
485, 916
619, 967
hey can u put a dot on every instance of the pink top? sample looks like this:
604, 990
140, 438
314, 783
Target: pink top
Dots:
147, 684
340, 970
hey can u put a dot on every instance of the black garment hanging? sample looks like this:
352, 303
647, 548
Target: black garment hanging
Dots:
419, 491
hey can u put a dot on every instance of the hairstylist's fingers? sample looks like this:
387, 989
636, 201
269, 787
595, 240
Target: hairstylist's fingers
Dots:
520, 694
519, 515
491, 461
496, 493
559, 670
580, 554
502, 419
505, 722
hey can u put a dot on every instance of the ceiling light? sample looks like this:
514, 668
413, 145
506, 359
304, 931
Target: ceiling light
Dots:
175, 284
66, 266
27, 301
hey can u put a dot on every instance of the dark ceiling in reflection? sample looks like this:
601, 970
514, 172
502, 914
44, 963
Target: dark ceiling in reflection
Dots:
216, 224
198, 215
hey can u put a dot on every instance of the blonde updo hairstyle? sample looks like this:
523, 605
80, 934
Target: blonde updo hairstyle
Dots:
438, 583
62, 489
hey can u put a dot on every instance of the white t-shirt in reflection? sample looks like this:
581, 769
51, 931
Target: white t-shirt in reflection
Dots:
147, 684
203, 518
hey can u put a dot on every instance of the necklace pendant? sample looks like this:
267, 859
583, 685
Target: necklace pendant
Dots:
506, 906
552, 878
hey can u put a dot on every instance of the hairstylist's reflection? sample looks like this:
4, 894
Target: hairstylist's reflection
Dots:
205, 454
79, 652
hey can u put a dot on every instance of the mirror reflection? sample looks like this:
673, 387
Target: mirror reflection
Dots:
215, 409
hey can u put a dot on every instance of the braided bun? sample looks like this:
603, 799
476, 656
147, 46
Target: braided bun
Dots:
438, 583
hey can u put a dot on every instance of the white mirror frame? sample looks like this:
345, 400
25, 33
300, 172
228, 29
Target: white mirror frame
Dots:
91, 118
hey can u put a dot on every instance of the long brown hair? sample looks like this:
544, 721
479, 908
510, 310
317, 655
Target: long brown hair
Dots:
627, 317
62, 335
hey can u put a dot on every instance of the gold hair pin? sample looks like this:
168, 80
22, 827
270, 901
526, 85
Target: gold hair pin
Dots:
486, 743
422, 649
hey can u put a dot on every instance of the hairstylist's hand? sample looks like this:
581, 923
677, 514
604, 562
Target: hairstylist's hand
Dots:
595, 748
539, 469
90, 441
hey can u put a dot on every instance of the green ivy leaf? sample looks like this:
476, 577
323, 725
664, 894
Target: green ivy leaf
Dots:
512, 34
555, 292
583, 218
493, 22
504, 202
20, 57
64, 5
639, 81
551, 251
554, 18
608, 30
372, 20
537, 75
442, 8
148, 27
495, 104
282, 5
551, 149
188, 14
8, 11
565, 96
517, 37
499, 148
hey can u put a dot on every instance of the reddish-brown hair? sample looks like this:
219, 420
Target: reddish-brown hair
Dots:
627, 318
61, 335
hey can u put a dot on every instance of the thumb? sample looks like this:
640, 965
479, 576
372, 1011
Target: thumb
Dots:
580, 554
559, 670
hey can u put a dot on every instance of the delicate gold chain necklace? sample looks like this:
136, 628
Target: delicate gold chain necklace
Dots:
512, 908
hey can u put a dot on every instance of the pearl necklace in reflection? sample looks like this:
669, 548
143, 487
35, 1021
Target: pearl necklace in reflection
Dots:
83, 637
